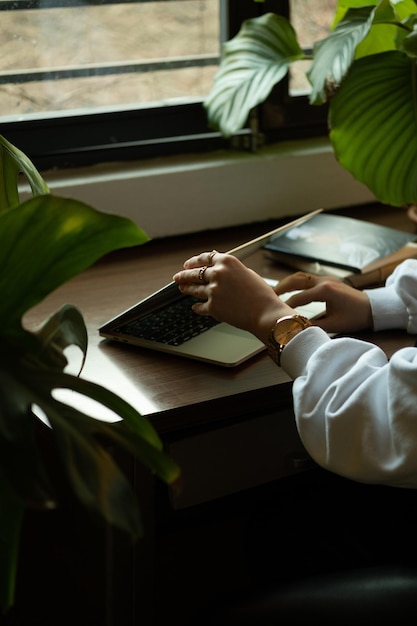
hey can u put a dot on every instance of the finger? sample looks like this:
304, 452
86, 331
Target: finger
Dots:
202, 275
295, 282
197, 291
194, 261
210, 259
325, 290
199, 260
183, 277
196, 276
307, 296
201, 308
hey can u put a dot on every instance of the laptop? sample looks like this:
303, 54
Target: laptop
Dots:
165, 322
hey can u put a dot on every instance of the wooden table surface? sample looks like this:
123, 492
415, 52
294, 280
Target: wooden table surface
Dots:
171, 391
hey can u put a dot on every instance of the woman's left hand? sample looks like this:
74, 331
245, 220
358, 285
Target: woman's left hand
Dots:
347, 309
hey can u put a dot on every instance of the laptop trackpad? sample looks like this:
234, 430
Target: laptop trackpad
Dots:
224, 345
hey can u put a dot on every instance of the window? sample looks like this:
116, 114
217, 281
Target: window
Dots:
96, 56
86, 81
311, 20
287, 113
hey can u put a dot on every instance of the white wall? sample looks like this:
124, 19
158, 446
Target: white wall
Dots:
192, 193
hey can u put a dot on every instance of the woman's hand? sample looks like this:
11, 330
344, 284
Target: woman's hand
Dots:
231, 292
347, 309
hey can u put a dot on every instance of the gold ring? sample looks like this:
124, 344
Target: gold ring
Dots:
211, 255
201, 274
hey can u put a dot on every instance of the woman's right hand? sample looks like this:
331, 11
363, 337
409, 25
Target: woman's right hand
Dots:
347, 309
231, 292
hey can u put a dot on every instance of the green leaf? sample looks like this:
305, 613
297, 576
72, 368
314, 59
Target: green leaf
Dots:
83, 441
387, 9
30, 378
344, 5
373, 119
29, 382
387, 31
404, 8
334, 55
46, 241
92, 473
137, 424
409, 44
12, 163
20, 462
43, 243
64, 328
381, 38
252, 63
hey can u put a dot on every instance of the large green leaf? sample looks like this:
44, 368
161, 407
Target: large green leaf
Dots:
404, 8
400, 8
28, 387
409, 44
43, 243
253, 62
344, 5
91, 471
18, 449
386, 32
334, 55
64, 328
14, 162
393, 21
373, 121
23, 479
46, 241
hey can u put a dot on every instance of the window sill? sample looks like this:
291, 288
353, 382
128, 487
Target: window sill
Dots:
187, 194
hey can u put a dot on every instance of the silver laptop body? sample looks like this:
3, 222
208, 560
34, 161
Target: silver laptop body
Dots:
150, 323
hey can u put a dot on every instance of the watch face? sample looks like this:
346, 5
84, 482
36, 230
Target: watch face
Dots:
286, 328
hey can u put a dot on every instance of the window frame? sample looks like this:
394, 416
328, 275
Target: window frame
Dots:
73, 140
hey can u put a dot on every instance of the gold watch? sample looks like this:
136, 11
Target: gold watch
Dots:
282, 332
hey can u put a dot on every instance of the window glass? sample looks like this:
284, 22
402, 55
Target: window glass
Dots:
105, 56
312, 20
89, 81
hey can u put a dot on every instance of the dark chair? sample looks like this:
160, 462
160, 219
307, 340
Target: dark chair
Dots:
329, 552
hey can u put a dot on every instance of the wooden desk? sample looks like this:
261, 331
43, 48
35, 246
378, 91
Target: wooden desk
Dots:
166, 389
231, 429
174, 392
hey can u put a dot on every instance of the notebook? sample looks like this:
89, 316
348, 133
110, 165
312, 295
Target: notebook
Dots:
361, 253
165, 322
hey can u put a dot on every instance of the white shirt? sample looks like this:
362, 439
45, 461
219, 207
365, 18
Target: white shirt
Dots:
356, 412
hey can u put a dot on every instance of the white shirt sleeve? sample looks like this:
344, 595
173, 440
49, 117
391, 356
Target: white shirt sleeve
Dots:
356, 412
395, 305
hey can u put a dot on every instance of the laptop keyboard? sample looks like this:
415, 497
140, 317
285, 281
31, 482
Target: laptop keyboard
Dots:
173, 325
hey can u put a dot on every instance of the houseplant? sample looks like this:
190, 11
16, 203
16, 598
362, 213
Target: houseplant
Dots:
365, 69
44, 241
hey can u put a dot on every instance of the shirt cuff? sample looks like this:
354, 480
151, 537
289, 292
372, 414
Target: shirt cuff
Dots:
388, 310
298, 351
